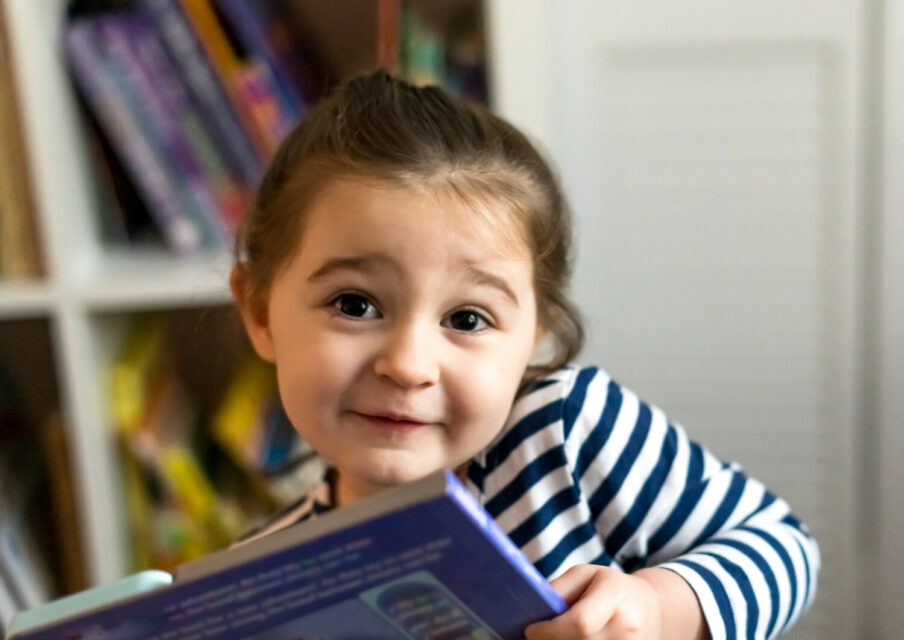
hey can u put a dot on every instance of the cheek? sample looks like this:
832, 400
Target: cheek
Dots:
485, 388
312, 379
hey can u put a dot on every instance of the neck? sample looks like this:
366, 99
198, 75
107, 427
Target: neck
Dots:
349, 490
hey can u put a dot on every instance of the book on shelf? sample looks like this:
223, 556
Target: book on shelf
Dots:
192, 107
201, 81
423, 560
99, 76
249, 80
195, 479
20, 255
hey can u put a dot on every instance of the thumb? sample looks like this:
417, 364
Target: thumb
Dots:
572, 584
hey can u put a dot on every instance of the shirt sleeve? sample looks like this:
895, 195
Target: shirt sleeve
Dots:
658, 498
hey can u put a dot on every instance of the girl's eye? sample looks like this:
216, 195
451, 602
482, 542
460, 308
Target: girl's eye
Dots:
355, 306
467, 320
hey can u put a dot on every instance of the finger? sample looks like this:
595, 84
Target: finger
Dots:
572, 584
590, 613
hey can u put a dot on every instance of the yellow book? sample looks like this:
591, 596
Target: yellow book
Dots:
131, 374
228, 67
238, 421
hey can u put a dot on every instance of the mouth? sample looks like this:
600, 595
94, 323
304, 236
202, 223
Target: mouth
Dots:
392, 422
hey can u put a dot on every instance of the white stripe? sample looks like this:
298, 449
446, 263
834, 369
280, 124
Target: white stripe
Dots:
534, 498
640, 471
700, 515
776, 566
556, 530
755, 577
708, 604
666, 499
738, 604
751, 498
597, 393
583, 554
599, 469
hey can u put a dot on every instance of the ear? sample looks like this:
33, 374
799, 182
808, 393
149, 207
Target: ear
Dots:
255, 313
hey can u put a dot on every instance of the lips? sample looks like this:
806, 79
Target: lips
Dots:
392, 421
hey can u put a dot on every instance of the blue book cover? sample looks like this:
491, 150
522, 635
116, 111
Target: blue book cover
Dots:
419, 562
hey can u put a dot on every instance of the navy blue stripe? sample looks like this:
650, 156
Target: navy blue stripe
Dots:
767, 500
548, 564
763, 566
729, 502
476, 474
726, 615
539, 384
530, 424
574, 403
753, 609
648, 493
564, 499
792, 521
786, 560
526, 478
693, 490
616, 477
603, 559
597, 439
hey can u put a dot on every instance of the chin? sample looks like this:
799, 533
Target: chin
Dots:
398, 472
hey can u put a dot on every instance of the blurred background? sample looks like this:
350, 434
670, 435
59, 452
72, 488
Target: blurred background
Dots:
732, 168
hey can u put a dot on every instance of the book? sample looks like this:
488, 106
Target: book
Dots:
423, 560
219, 199
228, 67
201, 80
99, 77
260, 27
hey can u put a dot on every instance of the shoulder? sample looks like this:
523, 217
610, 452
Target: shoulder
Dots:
316, 501
564, 396
544, 413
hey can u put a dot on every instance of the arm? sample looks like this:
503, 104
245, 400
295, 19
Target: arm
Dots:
660, 500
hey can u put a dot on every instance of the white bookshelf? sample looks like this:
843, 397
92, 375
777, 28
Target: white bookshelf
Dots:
89, 290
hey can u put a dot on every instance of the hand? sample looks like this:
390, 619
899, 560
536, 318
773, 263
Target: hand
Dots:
605, 603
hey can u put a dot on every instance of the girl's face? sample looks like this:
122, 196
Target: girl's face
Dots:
399, 337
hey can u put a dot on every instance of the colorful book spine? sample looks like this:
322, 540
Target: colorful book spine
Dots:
227, 130
92, 70
262, 33
132, 40
227, 66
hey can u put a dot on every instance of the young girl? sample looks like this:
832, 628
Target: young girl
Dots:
406, 255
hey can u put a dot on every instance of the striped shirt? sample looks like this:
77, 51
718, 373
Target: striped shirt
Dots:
585, 472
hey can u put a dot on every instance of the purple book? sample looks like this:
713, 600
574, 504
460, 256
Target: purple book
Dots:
220, 199
94, 72
263, 35
421, 561
162, 105
201, 81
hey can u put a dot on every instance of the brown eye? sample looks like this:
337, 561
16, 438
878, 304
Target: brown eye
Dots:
467, 320
355, 306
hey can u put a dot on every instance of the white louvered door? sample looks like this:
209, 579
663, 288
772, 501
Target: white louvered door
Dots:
711, 153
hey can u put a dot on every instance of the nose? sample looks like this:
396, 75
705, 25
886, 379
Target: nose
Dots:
408, 357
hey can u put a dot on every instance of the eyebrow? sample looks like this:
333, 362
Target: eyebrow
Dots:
367, 264
484, 278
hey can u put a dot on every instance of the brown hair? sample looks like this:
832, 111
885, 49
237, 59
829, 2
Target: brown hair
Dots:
376, 126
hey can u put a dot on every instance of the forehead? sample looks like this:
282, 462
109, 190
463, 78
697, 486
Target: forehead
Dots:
371, 211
